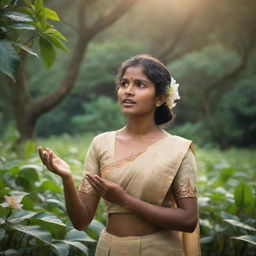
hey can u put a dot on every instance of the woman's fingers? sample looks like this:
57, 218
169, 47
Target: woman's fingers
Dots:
97, 186
41, 152
51, 162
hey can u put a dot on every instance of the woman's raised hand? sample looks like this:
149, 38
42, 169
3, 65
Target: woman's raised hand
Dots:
54, 163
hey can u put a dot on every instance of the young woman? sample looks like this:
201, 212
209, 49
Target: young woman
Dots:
146, 176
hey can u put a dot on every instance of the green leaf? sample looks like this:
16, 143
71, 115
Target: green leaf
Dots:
25, 183
27, 2
227, 215
247, 238
9, 59
239, 224
51, 14
36, 167
22, 26
20, 215
11, 252
77, 245
206, 240
30, 174
33, 231
57, 203
243, 196
38, 5
56, 42
2, 233
26, 10
96, 227
50, 185
47, 52
55, 32
75, 235
61, 249
17, 16
49, 218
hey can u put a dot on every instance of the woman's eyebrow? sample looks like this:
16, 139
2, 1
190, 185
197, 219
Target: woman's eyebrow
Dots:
141, 80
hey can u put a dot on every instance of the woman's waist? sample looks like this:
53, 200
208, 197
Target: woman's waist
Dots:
128, 224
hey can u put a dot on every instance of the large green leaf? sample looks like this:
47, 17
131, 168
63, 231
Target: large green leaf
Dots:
239, 224
50, 185
61, 249
246, 238
21, 215
55, 32
78, 246
243, 196
17, 16
56, 203
27, 49
51, 14
47, 217
33, 231
9, 59
75, 235
56, 42
38, 5
22, 26
47, 52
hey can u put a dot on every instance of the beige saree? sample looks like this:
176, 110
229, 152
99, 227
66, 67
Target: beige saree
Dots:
160, 174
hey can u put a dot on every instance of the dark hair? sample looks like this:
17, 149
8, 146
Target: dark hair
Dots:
158, 74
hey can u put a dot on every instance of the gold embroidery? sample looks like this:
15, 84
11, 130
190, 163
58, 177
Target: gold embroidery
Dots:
118, 164
86, 187
186, 190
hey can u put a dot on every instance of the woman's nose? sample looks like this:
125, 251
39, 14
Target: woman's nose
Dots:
129, 90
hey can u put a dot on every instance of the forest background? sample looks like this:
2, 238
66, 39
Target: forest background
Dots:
209, 48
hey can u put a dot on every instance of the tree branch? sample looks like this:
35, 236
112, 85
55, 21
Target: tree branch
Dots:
240, 67
85, 34
109, 18
177, 38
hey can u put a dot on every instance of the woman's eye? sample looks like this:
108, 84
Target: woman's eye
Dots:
124, 83
140, 84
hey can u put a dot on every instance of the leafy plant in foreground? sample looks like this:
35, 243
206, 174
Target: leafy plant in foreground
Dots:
20, 26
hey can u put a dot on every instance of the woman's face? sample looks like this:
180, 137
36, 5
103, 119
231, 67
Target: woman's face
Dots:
136, 93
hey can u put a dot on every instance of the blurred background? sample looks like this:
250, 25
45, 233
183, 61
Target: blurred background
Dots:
210, 49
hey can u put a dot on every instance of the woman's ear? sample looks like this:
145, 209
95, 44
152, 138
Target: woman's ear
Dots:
160, 100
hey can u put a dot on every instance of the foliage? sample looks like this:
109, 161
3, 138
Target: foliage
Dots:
30, 221
100, 115
20, 27
227, 202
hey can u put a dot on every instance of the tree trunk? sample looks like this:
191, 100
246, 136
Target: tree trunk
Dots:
27, 111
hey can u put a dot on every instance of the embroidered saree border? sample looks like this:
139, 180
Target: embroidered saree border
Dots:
118, 164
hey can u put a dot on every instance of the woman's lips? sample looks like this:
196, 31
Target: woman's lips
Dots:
128, 102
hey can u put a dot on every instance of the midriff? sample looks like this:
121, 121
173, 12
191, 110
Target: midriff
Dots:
128, 224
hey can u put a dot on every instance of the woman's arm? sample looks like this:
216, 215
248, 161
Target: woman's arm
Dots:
183, 218
80, 206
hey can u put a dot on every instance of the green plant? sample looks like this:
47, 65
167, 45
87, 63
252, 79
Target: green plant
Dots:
30, 233
20, 26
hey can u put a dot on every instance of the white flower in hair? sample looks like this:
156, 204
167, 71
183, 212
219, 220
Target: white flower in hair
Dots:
172, 94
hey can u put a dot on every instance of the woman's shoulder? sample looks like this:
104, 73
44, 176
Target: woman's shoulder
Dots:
179, 138
104, 137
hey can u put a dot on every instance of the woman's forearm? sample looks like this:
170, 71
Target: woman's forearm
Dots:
181, 219
76, 209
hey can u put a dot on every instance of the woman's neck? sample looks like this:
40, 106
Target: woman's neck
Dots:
138, 127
